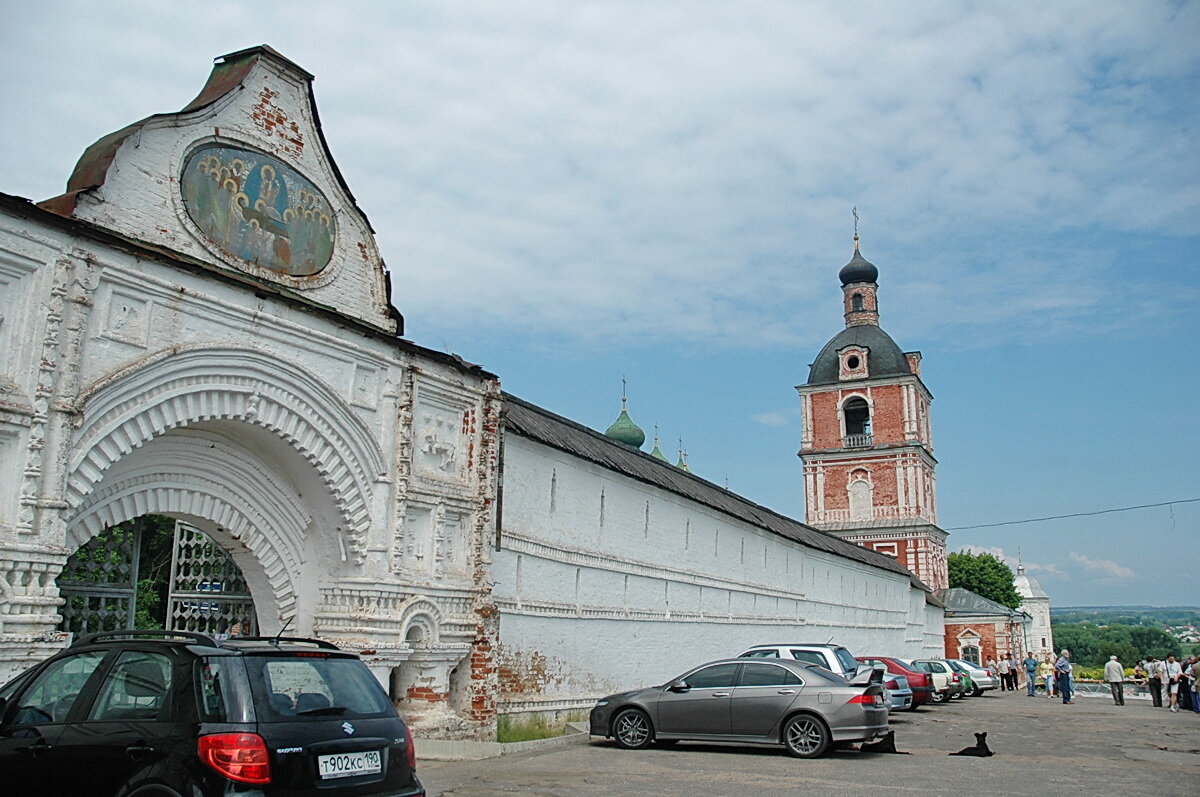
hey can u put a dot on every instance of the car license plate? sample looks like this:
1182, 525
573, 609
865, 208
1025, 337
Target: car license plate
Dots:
345, 765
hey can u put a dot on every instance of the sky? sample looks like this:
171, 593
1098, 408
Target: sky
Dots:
571, 193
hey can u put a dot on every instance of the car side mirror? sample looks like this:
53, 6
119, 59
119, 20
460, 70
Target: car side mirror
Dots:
679, 686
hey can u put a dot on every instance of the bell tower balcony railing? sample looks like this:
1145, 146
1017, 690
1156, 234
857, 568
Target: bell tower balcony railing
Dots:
857, 441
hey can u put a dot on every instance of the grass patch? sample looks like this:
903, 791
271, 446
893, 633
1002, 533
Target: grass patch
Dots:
528, 728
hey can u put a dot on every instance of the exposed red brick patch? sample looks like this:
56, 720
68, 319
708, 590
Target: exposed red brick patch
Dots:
272, 119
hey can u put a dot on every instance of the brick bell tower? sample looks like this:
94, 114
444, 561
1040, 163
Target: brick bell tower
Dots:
867, 448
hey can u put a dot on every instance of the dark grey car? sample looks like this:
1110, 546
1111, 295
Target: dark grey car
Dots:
801, 707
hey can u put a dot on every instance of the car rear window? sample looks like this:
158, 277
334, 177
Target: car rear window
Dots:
849, 664
808, 657
290, 688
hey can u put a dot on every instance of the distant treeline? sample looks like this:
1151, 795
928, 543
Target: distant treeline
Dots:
1128, 615
1092, 644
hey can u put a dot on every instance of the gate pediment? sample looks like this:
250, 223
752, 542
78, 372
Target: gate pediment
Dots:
240, 179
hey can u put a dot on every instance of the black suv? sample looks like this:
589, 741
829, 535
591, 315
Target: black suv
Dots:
169, 714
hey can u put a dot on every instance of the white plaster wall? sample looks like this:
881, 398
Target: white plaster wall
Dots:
1039, 610
589, 607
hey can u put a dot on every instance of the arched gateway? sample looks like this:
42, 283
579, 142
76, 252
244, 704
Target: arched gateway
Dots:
261, 456
201, 328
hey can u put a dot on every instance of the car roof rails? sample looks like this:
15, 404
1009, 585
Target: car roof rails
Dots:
132, 634
275, 640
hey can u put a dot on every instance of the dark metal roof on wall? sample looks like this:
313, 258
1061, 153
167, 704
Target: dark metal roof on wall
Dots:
542, 426
961, 601
884, 357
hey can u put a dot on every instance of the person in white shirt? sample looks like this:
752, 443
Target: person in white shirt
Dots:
1114, 674
1174, 674
1003, 668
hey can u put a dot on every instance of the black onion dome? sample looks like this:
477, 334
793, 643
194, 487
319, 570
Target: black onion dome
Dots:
859, 269
884, 357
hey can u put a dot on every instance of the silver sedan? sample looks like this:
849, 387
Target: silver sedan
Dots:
799, 706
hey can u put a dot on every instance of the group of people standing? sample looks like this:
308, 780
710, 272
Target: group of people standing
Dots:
1181, 679
1006, 669
1178, 680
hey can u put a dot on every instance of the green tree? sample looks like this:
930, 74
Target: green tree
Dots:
1082, 639
1091, 645
985, 575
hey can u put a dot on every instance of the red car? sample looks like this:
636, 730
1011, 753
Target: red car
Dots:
920, 682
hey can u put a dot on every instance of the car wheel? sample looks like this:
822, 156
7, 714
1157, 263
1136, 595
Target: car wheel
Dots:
977, 693
941, 697
631, 729
805, 736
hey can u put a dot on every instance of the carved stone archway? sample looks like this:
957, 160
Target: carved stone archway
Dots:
183, 388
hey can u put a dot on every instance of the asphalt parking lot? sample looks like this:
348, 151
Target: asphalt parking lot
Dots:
1041, 746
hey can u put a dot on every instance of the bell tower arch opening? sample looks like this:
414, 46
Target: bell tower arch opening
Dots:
856, 414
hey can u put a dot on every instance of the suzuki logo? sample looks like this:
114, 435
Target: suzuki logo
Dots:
348, 728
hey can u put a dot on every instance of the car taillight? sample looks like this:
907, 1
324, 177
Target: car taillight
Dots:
238, 756
412, 749
955, 677
868, 700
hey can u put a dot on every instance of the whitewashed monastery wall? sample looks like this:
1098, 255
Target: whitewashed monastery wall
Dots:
605, 583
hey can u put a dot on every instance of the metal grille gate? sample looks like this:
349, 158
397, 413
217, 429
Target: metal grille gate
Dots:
99, 582
208, 592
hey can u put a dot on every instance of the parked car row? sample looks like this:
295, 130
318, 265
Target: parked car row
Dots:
801, 696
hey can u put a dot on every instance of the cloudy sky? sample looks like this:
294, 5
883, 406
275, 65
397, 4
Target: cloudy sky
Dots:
568, 193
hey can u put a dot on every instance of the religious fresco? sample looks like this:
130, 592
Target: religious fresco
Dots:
258, 210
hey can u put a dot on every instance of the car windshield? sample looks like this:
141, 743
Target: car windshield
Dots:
289, 688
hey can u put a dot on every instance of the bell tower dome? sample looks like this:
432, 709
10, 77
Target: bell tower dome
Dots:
867, 444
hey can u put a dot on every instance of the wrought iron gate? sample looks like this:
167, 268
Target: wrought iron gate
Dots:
99, 582
208, 593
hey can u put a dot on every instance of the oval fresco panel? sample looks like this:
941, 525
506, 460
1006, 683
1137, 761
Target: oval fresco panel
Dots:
258, 210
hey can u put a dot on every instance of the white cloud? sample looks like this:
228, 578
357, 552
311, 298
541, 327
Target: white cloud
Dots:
777, 418
1013, 561
1053, 570
685, 172
1106, 567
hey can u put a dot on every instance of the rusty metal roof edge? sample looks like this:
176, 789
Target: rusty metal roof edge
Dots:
264, 49
228, 72
803, 533
171, 257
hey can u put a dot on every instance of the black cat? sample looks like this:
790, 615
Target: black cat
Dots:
885, 745
980, 748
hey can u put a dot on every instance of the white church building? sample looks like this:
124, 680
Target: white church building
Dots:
201, 327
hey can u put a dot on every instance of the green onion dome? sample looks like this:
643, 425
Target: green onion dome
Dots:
624, 430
